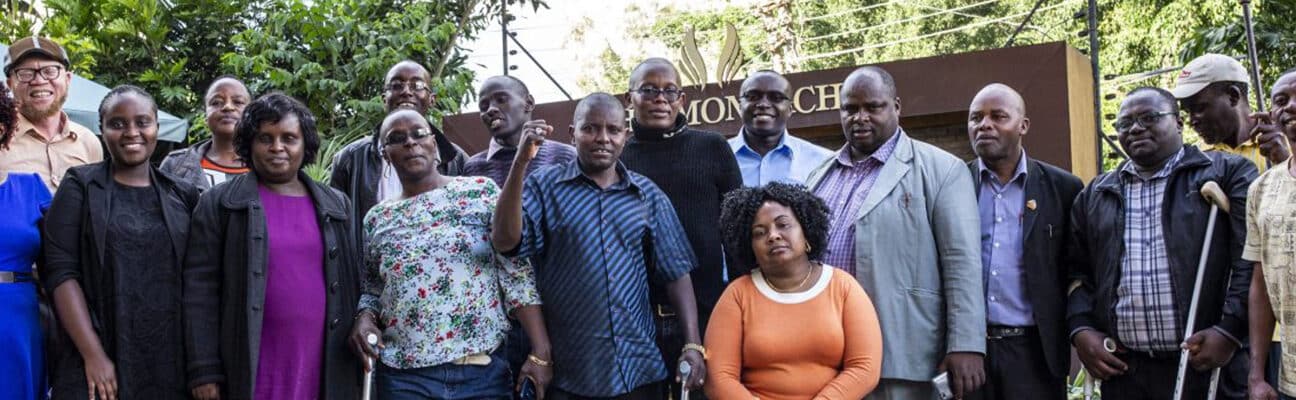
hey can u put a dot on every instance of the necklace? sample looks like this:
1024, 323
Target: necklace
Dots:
798, 286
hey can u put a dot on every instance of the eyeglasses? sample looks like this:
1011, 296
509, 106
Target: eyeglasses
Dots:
395, 138
416, 87
774, 97
49, 72
1145, 120
650, 93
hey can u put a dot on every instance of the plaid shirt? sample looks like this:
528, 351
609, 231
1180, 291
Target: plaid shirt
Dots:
844, 188
1146, 317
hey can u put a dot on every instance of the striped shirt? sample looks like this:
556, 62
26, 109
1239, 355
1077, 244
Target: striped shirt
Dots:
844, 188
1146, 316
497, 160
588, 248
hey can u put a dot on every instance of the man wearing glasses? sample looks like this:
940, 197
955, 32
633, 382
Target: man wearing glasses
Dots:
764, 149
45, 141
359, 170
1137, 238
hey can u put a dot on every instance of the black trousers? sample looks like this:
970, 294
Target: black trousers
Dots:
651, 391
1016, 369
1152, 377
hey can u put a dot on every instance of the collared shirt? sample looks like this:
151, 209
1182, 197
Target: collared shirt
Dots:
1002, 208
29, 151
1270, 241
433, 279
844, 187
791, 161
588, 247
497, 160
1146, 317
1248, 150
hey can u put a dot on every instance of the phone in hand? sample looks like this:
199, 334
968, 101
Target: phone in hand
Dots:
941, 384
528, 389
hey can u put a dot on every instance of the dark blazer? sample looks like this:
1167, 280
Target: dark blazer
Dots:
74, 238
225, 284
1045, 231
1097, 240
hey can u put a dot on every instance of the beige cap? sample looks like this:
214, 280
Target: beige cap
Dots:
1208, 69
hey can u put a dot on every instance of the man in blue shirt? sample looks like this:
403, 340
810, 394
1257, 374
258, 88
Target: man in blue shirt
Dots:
596, 234
764, 149
1025, 206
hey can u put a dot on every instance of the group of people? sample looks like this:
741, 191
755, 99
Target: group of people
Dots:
645, 258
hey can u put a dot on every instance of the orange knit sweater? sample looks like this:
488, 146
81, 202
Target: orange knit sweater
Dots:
824, 343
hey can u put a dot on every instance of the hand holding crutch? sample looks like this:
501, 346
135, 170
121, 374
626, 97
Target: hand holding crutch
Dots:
1218, 200
367, 393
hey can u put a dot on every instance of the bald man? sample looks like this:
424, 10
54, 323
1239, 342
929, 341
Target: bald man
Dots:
1025, 206
905, 225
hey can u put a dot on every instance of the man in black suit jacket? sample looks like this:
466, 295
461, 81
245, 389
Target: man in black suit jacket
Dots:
1025, 206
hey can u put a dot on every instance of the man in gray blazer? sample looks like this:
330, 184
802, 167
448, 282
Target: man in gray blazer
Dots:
905, 223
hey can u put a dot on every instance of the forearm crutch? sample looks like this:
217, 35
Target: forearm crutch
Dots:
1215, 196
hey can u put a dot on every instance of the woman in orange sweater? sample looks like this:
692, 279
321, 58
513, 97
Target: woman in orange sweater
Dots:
793, 328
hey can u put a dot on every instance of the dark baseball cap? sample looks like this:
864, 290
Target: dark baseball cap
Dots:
32, 46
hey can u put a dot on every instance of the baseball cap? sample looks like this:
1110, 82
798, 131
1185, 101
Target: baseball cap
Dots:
31, 46
1208, 69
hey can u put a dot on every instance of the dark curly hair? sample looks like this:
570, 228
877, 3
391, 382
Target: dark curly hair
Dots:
739, 209
8, 116
272, 108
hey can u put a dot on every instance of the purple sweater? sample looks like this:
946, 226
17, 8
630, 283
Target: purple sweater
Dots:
292, 328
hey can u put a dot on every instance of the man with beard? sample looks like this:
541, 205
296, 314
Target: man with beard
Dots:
1136, 243
905, 224
44, 140
1212, 89
764, 149
1025, 209
359, 170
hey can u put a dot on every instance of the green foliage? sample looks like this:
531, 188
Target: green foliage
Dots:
1275, 34
331, 54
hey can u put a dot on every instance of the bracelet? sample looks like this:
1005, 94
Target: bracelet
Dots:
537, 361
696, 347
363, 311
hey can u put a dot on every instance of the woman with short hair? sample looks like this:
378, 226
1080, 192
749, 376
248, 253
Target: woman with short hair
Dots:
793, 328
271, 278
213, 161
114, 245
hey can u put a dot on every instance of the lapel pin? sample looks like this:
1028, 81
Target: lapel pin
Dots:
1030, 204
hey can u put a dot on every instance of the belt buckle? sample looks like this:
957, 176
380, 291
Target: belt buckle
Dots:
663, 312
8, 277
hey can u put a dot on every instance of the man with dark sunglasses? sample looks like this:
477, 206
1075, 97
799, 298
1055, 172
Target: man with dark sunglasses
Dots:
44, 140
1136, 242
764, 149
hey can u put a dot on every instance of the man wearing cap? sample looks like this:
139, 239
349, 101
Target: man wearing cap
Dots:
45, 141
1212, 89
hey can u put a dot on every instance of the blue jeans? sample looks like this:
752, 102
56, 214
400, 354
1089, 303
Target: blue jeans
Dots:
446, 381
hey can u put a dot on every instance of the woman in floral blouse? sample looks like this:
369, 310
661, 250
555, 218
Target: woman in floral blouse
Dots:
434, 289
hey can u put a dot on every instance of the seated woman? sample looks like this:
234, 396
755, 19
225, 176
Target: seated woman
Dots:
114, 244
793, 328
23, 197
271, 277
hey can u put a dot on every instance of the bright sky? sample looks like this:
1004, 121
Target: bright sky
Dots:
547, 34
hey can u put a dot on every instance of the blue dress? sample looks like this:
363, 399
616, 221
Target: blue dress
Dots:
24, 199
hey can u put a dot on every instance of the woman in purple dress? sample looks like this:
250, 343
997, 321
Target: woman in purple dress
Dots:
271, 277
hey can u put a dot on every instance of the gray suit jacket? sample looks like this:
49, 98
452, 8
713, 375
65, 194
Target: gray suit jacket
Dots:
918, 255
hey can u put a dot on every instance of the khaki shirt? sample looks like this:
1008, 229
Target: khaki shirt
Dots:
1248, 150
29, 151
1271, 241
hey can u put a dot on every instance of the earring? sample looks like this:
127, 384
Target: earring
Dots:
808, 248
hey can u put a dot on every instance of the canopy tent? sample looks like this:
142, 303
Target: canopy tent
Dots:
82, 107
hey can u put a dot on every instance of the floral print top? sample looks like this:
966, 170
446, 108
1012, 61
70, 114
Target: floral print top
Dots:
439, 289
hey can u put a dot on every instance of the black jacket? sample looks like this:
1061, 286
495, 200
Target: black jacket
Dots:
74, 239
357, 168
1045, 231
225, 283
1098, 226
